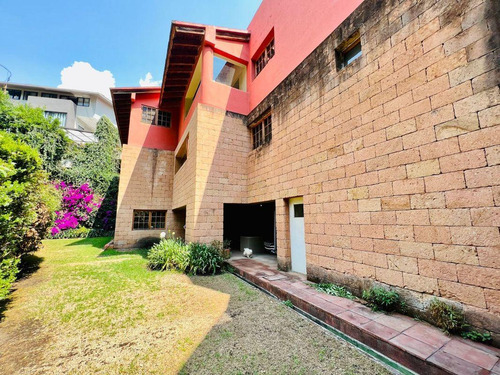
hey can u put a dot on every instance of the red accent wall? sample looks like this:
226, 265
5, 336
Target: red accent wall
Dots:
152, 136
299, 27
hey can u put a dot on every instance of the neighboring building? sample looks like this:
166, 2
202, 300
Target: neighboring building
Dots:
360, 138
78, 111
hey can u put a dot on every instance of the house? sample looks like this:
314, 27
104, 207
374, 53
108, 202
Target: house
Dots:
358, 139
78, 111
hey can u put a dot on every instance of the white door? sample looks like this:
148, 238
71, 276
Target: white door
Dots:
297, 240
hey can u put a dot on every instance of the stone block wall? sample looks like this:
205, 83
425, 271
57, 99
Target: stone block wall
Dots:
146, 182
214, 173
397, 155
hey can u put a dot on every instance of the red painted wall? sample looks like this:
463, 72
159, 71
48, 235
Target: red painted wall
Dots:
151, 136
299, 27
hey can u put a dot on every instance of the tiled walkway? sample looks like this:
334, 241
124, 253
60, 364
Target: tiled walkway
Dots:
416, 345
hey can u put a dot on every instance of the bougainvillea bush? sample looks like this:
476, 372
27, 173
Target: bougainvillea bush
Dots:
79, 206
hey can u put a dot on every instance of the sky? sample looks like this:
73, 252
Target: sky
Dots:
97, 44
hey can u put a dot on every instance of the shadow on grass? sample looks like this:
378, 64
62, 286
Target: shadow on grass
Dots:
30, 263
112, 252
98, 242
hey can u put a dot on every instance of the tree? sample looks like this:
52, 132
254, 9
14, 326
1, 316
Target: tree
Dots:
95, 163
27, 203
30, 126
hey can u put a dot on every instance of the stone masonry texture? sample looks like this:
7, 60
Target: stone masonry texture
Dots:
397, 157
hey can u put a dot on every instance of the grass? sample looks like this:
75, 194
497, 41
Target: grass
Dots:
88, 311
334, 290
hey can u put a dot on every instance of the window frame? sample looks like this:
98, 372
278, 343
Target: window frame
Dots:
342, 60
48, 95
85, 101
19, 97
267, 54
159, 118
27, 94
150, 219
262, 131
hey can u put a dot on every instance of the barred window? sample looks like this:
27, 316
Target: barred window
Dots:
262, 131
144, 219
154, 116
264, 58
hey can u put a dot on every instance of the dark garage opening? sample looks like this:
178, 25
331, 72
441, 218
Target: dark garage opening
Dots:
257, 221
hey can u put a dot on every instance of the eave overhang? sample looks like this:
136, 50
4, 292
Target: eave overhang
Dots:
122, 104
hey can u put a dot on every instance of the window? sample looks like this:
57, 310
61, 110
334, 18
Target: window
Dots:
348, 51
83, 102
144, 220
61, 116
230, 73
264, 58
14, 94
262, 132
49, 95
154, 116
29, 93
298, 210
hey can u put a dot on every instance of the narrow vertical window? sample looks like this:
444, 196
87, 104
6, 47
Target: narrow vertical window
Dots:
348, 51
264, 58
262, 131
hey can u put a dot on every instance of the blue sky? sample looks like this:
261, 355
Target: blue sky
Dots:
126, 37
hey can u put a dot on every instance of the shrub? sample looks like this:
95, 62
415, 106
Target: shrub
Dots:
382, 299
195, 258
78, 207
204, 259
446, 316
82, 232
477, 336
8, 272
30, 126
334, 290
169, 254
26, 204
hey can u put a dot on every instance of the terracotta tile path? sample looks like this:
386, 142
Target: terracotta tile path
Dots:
415, 345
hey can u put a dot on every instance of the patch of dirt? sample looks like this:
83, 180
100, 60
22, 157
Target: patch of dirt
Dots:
263, 336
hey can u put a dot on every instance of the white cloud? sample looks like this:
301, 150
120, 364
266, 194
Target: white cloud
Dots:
147, 81
82, 76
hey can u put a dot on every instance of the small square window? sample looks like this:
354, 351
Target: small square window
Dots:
298, 210
164, 118
348, 51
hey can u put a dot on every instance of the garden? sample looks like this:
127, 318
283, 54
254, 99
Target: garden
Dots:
91, 311
51, 187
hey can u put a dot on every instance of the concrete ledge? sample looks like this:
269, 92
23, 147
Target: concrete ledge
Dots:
418, 346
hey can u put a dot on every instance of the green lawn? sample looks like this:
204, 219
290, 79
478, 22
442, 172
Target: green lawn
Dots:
87, 311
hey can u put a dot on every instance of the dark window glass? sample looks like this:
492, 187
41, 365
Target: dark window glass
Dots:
83, 102
14, 94
262, 133
29, 93
144, 219
348, 51
264, 58
49, 95
164, 119
298, 210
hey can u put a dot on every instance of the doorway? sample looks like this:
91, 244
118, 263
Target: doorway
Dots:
297, 237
